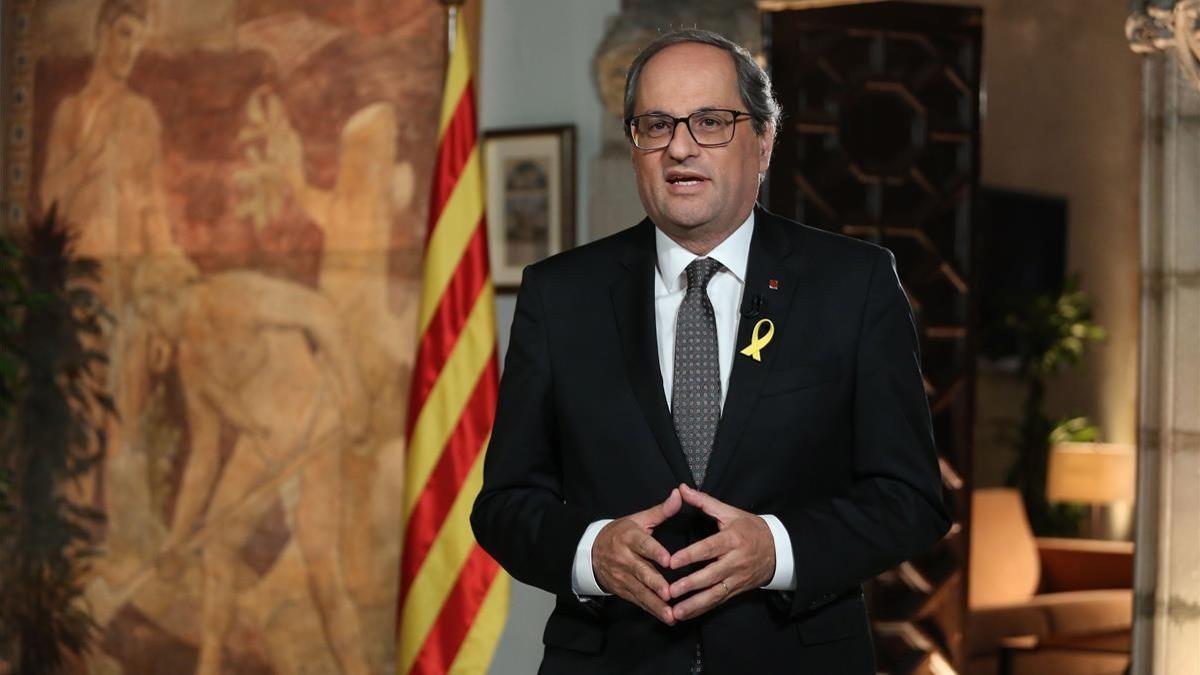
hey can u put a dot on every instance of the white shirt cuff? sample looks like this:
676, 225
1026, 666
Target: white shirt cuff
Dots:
583, 578
785, 569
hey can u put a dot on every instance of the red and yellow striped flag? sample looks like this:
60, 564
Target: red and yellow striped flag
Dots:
453, 596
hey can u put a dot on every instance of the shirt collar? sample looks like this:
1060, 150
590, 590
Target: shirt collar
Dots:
733, 254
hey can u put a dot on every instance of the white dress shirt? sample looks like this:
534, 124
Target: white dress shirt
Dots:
725, 293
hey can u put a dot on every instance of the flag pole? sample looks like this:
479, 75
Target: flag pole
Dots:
453, 597
452, 8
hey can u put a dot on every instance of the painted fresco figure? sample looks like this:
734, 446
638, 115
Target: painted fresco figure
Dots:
356, 219
104, 155
269, 359
104, 170
277, 382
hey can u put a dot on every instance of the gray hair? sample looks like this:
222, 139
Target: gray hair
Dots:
754, 85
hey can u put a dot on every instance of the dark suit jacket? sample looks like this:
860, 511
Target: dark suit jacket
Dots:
830, 432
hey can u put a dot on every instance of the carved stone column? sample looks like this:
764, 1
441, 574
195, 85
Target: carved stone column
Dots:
1167, 570
614, 202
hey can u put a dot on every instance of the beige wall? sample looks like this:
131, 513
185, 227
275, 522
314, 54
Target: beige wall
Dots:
1063, 116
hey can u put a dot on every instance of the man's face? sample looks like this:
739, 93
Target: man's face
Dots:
119, 44
685, 186
160, 311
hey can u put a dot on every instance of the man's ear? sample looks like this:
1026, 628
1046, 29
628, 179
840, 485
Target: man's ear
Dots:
766, 143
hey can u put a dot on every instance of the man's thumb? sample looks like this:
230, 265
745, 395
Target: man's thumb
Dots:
672, 504
657, 514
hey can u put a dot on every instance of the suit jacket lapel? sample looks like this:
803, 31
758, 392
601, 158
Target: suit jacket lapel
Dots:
633, 304
770, 249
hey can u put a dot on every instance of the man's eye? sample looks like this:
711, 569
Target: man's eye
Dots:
658, 126
709, 123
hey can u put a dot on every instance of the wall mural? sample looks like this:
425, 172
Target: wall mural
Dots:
252, 174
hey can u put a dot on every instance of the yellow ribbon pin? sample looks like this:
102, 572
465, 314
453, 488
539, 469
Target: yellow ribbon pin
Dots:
757, 341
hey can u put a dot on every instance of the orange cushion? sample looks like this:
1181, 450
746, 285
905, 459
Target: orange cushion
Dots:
1070, 613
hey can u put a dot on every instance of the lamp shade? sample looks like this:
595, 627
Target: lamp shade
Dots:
1096, 473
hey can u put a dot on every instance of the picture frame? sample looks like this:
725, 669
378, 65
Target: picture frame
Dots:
530, 176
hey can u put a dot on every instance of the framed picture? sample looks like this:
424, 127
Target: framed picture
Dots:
530, 197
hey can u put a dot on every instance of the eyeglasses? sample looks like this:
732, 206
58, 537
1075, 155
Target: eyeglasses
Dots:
709, 128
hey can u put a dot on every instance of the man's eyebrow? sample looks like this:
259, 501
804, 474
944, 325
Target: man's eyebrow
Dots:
707, 108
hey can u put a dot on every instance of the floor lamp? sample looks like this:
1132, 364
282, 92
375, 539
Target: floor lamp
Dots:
1097, 474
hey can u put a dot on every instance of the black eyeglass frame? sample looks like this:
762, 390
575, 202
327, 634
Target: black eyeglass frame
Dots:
675, 121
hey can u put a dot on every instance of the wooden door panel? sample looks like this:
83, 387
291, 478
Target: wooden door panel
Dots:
880, 140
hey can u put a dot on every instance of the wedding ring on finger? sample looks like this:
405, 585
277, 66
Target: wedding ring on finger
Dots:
725, 586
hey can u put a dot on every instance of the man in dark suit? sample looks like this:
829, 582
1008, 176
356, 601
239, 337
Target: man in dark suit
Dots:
716, 417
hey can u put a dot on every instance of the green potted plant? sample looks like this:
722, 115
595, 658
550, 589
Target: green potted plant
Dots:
54, 328
1051, 334
12, 298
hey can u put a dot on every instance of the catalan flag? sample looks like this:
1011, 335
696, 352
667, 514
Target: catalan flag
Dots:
453, 596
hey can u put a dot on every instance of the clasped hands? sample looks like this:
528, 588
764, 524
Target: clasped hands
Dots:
741, 555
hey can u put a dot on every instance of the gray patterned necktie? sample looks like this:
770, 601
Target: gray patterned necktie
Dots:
696, 392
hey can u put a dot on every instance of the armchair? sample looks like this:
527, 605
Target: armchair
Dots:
1073, 597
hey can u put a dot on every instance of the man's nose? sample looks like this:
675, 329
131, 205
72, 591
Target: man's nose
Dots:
682, 144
